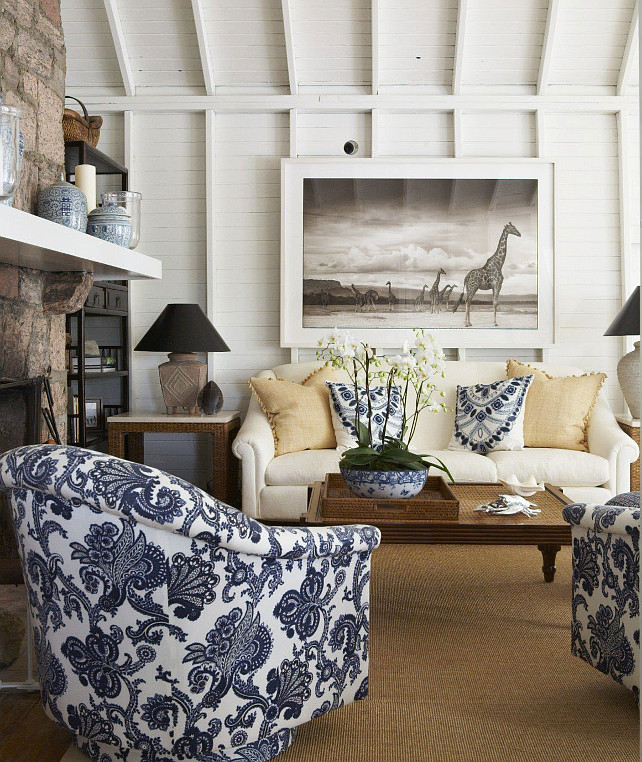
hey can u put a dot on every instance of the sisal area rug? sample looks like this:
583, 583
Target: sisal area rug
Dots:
470, 662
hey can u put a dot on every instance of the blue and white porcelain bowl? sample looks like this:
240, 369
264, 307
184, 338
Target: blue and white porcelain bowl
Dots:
65, 204
111, 223
390, 485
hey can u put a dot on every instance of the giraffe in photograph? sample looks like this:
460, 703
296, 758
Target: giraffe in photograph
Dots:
325, 298
360, 298
371, 298
489, 277
392, 299
444, 296
433, 294
419, 299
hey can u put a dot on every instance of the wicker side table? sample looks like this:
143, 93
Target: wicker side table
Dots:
126, 434
631, 426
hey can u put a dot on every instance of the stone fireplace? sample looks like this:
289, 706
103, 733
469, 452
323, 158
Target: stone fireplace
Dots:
33, 304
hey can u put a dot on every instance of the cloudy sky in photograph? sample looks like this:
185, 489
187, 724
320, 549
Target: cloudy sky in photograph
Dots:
369, 231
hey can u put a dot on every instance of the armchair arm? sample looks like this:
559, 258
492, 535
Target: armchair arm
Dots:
323, 542
605, 519
254, 447
606, 438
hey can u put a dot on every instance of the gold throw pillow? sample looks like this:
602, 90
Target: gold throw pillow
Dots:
557, 408
299, 414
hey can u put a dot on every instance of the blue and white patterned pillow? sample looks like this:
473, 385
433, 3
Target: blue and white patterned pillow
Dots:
491, 416
343, 412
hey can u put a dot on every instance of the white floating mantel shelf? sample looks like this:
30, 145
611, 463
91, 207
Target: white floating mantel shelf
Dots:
30, 241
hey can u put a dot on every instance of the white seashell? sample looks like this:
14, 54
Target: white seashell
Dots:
528, 488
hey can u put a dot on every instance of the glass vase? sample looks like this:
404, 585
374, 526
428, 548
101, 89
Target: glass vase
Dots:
9, 151
130, 201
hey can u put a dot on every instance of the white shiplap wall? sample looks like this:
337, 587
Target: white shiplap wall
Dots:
503, 42
245, 291
416, 44
169, 166
91, 59
332, 42
247, 42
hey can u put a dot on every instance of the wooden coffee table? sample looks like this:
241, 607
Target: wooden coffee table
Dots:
548, 531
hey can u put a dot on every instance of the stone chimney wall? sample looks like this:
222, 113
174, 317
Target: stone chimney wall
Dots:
32, 77
33, 304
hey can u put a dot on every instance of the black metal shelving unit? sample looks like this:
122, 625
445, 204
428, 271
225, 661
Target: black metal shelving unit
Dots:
79, 152
110, 328
104, 316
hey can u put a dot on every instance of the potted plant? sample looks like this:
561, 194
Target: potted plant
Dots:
382, 463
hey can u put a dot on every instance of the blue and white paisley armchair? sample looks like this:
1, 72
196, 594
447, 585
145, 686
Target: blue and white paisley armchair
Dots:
605, 629
169, 626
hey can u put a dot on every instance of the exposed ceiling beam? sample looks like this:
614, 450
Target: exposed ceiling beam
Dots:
547, 46
203, 47
607, 104
630, 59
116, 28
289, 46
460, 38
374, 40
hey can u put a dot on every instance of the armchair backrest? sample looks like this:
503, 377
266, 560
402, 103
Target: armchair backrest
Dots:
155, 609
96, 482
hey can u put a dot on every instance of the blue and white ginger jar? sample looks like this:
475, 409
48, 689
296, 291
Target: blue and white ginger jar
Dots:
389, 485
65, 204
111, 223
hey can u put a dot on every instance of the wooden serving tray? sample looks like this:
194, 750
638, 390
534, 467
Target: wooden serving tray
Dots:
436, 502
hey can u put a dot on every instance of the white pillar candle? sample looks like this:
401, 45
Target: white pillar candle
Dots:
86, 181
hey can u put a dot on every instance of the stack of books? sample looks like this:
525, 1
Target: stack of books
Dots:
95, 364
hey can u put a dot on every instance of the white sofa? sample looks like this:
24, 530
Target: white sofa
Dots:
276, 487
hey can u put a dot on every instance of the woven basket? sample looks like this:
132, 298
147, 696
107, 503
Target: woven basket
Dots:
77, 127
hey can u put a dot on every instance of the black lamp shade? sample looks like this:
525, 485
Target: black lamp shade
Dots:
627, 321
182, 328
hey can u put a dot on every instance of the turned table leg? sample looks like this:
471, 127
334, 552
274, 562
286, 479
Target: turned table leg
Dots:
548, 558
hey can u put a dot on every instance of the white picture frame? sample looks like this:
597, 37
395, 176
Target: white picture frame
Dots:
295, 333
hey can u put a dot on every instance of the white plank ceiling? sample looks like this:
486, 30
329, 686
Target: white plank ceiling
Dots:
198, 47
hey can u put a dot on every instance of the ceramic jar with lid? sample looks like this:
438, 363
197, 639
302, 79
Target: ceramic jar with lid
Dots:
111, 223
65, 204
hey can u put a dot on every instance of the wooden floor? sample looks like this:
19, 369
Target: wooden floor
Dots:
26, 733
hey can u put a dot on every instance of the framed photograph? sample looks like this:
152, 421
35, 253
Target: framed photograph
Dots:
463, 248
93, 414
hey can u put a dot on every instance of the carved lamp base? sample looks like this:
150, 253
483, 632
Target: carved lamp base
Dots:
182, 379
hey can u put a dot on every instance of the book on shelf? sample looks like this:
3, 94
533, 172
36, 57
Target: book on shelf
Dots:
95, 364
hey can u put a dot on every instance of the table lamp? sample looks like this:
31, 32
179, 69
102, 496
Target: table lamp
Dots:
182, 330
627, 323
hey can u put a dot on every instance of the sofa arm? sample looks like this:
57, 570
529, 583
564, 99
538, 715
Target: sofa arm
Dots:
254, 447
606, 438
605, 519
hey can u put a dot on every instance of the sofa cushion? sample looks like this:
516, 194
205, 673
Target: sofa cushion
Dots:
344, 404
464, 466
558, 409
295, 469
304, 468
490, 417
596, 495
564, 468
299, 414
